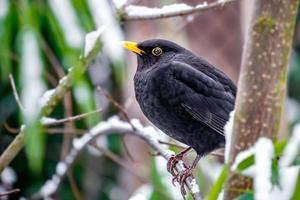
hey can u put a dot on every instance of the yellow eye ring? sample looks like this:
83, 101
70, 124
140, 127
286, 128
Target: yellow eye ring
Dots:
157, 51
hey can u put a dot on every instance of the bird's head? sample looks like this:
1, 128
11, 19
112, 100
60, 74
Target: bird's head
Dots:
152, 52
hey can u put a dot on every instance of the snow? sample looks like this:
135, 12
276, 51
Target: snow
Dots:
133, 10
113, 34
194, 186
31, 75
142, 193
228, 132
264, 153
287, 181
46, 97
79, 143
63, 79
61, 168
241, 157
4, 6
292, 148
47, 120
48, 188
91, 39
8, 176
66, 16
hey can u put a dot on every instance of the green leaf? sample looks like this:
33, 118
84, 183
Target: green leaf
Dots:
249, 161
296, 195
245, 196
217, 187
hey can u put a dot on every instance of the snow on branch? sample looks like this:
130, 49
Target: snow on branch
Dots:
113, 125
132, 12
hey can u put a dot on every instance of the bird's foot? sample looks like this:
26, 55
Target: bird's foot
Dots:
181, 178
174, 160
183, 175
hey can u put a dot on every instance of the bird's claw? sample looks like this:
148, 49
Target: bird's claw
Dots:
172, 163
181, 178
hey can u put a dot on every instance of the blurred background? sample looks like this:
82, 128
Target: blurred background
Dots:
40, 40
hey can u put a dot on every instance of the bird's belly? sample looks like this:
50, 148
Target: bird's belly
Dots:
173, 120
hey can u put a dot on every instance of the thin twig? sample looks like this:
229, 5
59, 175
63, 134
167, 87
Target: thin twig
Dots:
17, 98
74, 187
72, 131
159, 13
115, 103
70, 119
11, 129
109, 154
13, 191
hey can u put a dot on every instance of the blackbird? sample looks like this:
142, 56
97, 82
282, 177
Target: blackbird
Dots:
183, 95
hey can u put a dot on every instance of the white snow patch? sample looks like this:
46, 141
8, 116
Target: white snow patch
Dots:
63, 79
133, 10
113, 34
66, 16
48, 188
79, 143
264, 153
31, 75
194, 186
47, 120
61, 168
8, 176
241, 157
228, 133
287, 180
91, 39
292, 148
4, 6
46, 97
142, 193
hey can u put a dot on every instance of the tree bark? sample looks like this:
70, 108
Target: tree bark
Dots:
262, 81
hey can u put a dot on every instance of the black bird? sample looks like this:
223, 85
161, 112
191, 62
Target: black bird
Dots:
183, 95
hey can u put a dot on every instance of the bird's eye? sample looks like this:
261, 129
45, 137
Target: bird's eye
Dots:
156, 51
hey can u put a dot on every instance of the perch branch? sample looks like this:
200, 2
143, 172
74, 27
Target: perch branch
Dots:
113, 125
131, 12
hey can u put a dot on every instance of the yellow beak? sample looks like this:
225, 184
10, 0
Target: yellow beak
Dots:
132, 46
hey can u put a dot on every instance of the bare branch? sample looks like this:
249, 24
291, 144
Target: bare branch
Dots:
13, 191
13, 85
68, 119
132, 12
113, 125
109, 154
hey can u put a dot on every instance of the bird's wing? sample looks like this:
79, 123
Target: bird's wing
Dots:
205, 99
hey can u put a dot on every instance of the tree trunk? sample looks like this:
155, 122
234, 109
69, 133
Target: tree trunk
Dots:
262, 81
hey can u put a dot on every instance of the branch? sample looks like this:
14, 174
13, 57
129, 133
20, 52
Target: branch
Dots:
52, 97
113, 125
132, 12
51, 121
17, 98
13, 191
